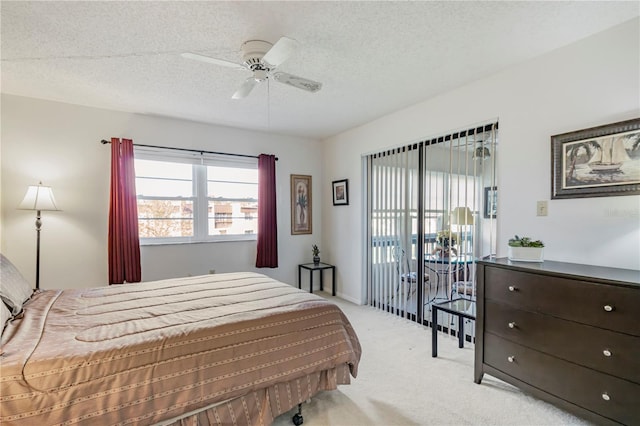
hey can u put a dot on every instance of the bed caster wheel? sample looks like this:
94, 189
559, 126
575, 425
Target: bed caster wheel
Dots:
297, 418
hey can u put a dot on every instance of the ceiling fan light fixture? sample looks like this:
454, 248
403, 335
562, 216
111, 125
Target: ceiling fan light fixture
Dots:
260, 75
481, 152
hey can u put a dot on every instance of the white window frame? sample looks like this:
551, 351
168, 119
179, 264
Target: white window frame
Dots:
199, 162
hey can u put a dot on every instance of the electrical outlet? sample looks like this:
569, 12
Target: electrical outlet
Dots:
542, 208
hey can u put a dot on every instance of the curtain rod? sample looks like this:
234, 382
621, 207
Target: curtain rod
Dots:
199, 151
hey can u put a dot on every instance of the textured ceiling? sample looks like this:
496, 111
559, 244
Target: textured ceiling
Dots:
372, 57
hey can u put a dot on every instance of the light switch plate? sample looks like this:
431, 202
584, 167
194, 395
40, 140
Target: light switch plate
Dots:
542, 208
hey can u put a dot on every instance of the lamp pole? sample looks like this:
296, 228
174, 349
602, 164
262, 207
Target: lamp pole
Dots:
38, 226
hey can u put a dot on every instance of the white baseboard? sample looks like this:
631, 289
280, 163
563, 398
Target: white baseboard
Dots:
339, 295
349, 298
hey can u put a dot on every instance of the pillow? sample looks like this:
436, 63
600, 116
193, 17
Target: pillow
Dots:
14, 289
5, 315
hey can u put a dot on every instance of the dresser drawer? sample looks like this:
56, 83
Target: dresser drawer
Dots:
606, 306
609, 396
604, 350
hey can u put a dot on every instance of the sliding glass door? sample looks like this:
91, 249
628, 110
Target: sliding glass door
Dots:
427, 220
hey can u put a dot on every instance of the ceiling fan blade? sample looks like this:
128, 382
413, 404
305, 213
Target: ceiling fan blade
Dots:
245, 89
280, 51
210, 60
299, 82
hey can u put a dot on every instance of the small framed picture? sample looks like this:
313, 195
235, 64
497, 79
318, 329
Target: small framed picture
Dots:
490, 202
301, 205
597, 162
341, 192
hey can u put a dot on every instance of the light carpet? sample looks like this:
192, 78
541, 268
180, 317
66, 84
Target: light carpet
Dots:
399, 383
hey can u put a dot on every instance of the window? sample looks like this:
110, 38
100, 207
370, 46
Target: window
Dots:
232, 200
165, 199
187, 198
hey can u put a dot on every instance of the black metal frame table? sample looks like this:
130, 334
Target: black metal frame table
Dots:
447, 270
317, 267
463, 308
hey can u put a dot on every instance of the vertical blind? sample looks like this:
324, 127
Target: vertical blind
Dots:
392, 214
416, 192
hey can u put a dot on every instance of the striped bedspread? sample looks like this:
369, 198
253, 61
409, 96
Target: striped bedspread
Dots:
145, 353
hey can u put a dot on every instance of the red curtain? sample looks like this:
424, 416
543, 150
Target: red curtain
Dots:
267, 256
124, 244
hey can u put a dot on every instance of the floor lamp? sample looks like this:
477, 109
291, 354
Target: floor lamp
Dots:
462, 216
38, 198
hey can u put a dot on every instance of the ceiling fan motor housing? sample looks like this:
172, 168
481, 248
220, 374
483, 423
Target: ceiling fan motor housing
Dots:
252, 53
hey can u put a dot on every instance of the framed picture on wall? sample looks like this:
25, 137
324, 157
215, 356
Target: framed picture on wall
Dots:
490, 202
301, 204
340, 192
596, 162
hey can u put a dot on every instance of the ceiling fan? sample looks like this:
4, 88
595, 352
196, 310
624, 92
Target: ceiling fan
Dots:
262, 58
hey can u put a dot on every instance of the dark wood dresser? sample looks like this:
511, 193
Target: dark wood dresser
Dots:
563, 332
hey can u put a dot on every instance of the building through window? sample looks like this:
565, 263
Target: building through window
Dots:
194, 198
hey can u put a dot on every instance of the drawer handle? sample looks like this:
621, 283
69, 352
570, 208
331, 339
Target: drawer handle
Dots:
511, 358
608, 308
606, 352
606, 396
512, 324
512, 288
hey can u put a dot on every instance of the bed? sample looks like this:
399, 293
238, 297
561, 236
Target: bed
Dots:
238, 348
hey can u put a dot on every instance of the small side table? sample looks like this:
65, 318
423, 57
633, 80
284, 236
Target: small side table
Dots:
447, 271
463, 308
317, 267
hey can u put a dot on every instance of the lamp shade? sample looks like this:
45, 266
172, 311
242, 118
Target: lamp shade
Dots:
38, 197
461, 216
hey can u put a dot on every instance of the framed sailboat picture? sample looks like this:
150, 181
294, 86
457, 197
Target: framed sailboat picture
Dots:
597, 162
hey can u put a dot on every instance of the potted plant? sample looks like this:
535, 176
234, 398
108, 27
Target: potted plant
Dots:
446, 240
316, 254
525, 249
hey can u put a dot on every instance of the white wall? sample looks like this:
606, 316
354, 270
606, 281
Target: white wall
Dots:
593, 82
59, 144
